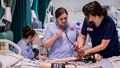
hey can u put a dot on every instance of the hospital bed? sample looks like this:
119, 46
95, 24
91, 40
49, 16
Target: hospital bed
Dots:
113, 62
9, 59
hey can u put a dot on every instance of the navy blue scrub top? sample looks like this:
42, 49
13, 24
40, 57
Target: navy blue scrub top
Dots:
106, 30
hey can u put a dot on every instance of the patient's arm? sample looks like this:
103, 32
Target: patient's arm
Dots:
62, 59
97, 58
45, 65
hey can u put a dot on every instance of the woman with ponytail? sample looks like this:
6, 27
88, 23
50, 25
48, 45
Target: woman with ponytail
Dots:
102, 31
26, 43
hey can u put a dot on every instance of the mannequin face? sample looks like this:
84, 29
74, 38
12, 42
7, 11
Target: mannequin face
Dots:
62, 20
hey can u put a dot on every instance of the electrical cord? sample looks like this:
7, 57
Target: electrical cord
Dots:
16, 62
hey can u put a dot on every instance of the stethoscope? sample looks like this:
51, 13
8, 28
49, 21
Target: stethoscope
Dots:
65, 31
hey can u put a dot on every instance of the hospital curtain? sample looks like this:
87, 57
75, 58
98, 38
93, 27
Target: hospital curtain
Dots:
6, 32
21, 17
35, 6
42, 6
1, 11
10, 3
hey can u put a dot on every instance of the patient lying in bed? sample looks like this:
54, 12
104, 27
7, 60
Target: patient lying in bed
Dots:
97, 58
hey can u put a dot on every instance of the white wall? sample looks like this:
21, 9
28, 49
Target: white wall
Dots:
74, 7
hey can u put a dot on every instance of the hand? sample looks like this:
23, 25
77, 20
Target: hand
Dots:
78, 48
98, 57
58, 33
81, 53
42, 57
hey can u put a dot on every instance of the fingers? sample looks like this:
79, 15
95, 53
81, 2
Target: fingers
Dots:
42, 57
81, 53
80, 50
78, 47
58, 33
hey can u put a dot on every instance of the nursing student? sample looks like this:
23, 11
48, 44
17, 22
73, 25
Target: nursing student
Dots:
26, 43
102, 31
60, 36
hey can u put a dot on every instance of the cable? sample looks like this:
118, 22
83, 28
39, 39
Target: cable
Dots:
16, 62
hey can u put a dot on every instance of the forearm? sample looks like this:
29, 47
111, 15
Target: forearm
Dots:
81, 41
50, 41
95, 49
98, 48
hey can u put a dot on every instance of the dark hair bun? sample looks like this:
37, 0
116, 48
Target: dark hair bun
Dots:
26, 28
104, 12
28, 31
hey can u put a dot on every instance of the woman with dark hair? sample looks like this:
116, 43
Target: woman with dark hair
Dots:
60, 36
26, 43
102, 31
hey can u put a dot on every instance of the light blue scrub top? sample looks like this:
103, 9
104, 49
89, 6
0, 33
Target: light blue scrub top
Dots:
61, 48
27, 51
